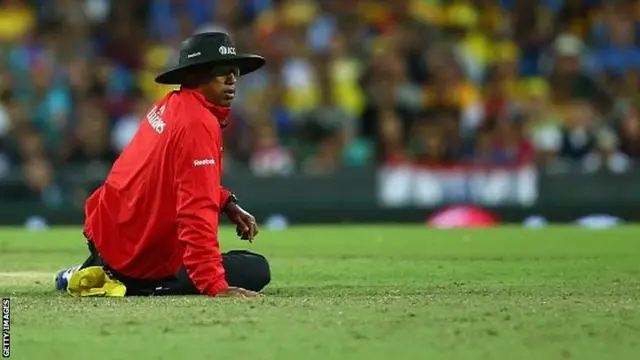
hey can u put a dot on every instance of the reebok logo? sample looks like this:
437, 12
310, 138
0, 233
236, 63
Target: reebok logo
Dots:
204, 162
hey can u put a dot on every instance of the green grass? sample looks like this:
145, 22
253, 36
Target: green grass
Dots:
353, 293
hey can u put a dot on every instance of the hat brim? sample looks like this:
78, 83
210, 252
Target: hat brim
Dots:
246, 64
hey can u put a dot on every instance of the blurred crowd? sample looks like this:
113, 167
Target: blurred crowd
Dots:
348, 84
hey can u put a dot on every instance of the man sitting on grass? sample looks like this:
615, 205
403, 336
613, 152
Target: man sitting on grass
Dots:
152, 227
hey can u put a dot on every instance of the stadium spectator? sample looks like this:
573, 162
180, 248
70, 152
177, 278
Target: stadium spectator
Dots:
629, 132
391, 139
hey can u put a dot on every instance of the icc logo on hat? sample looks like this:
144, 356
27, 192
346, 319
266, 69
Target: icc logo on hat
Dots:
227, 50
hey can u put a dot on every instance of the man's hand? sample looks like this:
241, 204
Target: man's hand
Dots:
246, 226
233, 291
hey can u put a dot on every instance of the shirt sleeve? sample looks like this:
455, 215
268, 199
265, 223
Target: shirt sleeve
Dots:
224, 197
198, 206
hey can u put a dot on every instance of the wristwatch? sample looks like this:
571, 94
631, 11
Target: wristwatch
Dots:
232, 199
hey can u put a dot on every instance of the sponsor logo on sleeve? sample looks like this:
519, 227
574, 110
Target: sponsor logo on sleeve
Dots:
204, 162
154, 118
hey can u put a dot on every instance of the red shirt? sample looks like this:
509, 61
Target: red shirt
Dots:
159, 206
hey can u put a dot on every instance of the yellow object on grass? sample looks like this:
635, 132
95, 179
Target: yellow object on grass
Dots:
94, 281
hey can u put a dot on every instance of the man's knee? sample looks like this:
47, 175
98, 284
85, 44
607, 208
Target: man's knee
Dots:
258, 271
263, 272
247, 270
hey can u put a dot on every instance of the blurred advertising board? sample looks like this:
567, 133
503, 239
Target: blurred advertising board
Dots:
428, 186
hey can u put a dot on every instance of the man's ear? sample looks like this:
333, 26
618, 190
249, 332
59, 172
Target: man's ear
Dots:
197, 77
192, 80
187, 81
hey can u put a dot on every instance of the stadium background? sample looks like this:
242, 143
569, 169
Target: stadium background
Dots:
366, 111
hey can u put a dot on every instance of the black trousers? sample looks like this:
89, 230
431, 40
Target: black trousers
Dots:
243, 269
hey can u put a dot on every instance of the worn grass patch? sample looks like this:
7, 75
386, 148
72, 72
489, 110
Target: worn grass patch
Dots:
24, 278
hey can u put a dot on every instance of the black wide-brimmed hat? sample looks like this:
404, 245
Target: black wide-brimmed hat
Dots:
214, 48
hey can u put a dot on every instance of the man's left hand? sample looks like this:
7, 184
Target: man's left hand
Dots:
246, 226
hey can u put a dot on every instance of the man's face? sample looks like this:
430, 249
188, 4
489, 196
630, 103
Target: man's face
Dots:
221, 89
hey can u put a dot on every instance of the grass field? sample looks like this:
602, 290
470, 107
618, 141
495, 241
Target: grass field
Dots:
353, 293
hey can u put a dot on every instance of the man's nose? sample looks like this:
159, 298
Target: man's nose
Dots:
231, 78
